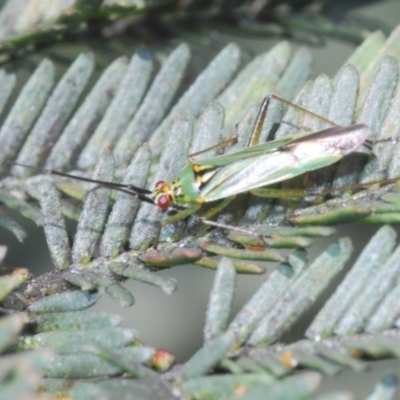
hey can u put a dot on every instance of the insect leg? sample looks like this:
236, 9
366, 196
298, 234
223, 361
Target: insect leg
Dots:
262, 113
260, 238
214, 211
256, 133
304, 110
369, 144
227, 142
174, 218
189, 211
280, 193
227, 227
363, 185
217, 208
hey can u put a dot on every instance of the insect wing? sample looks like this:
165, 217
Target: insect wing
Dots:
225, 159
299, 155
332, 136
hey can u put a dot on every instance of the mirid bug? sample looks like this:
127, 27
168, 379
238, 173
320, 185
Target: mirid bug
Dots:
247, 170
259, 165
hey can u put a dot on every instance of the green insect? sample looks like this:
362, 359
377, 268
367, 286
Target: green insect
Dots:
259, 165
250, 169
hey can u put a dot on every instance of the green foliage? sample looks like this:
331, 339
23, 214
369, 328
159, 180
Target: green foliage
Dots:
51, 126
26, 25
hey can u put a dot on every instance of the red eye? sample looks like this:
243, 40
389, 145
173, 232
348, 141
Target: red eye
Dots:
160, 184
163, 202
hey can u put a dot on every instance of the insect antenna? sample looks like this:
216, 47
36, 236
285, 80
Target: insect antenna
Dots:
127, 188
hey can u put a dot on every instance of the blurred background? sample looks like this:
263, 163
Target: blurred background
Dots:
175, 322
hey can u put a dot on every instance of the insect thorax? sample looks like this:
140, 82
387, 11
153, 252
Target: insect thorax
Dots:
194, 177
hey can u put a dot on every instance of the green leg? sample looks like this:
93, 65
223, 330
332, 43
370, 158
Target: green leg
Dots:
212, 212
227, 142
229, 227
255, 134
217, 208
281, 193
174, 218
189, 211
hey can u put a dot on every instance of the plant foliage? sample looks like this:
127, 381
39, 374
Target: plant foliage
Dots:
26, 24
137, 124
